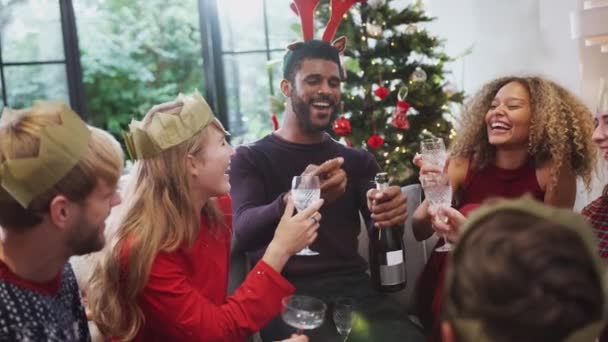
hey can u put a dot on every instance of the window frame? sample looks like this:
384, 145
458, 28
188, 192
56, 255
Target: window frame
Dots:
71, 61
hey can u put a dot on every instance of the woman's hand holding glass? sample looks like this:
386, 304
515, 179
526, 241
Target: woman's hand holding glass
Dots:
293, 233
446, 221
305, 190
434, 179
298, 231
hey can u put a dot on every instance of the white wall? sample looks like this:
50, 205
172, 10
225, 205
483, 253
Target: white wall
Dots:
508, 37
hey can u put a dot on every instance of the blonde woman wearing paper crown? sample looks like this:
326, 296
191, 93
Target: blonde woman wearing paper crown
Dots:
57, 185
525, 272
164, 276
518, 135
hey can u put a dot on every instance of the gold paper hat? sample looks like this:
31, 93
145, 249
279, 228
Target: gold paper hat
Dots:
61, 146
472, 329
171, 124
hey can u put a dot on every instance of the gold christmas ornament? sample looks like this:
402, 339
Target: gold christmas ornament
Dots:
419, 75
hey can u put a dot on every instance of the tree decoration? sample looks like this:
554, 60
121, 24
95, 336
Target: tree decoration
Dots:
399, 119
382, 92
419, 75
411, 29
375, 141
449, 89
373, 29
379, 110
342, 126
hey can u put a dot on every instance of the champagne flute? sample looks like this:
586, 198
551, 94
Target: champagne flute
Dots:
433, 151
303, 312
436, 187
305, 190
344, 315
438, 191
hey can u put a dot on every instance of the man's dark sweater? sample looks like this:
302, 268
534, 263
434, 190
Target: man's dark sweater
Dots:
261, 174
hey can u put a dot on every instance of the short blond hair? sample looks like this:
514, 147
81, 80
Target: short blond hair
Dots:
20, 138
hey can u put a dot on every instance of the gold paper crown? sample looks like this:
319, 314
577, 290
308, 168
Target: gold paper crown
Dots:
472, 329
173, 123
61, 146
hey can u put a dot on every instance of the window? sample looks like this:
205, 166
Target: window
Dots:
32, 58
137, 54
252, 61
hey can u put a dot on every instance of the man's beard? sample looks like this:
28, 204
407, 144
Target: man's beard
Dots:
84, 238
302, 110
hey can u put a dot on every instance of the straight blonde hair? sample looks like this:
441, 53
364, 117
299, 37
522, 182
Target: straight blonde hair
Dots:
157, 215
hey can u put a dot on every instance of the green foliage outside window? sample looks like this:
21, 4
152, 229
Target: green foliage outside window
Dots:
136, 54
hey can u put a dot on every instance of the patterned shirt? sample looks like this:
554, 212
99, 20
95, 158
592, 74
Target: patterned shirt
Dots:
41, 312
596, 214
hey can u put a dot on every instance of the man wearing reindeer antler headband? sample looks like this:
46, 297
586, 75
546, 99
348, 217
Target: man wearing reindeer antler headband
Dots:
261, 174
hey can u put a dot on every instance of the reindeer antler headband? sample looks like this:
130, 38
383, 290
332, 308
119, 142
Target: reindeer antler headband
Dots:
305, 10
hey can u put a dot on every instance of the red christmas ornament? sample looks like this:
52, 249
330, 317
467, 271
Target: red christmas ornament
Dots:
399, 119
342, 126
382, 92
375, 141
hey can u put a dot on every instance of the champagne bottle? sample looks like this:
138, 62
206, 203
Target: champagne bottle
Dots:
387, 252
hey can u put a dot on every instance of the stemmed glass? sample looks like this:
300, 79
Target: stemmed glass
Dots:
305, 190
437, 188
344, 315
303, 312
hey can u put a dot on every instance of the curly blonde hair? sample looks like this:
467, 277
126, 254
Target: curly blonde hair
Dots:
560, 128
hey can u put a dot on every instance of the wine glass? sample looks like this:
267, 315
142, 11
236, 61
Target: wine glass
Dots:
433, 151
305, 190
438, 191
344, 315
303, 312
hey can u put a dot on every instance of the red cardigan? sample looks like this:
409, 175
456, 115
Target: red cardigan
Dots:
185, 298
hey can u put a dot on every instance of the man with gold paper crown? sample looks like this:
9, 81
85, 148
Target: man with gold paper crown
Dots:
58, 181
261, 174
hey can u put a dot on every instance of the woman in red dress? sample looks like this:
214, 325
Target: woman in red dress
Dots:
164, 275
519, 135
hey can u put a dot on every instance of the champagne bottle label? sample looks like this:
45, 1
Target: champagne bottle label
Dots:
394, 258
392, 275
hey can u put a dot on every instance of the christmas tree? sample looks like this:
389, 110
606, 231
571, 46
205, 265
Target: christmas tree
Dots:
395, 93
